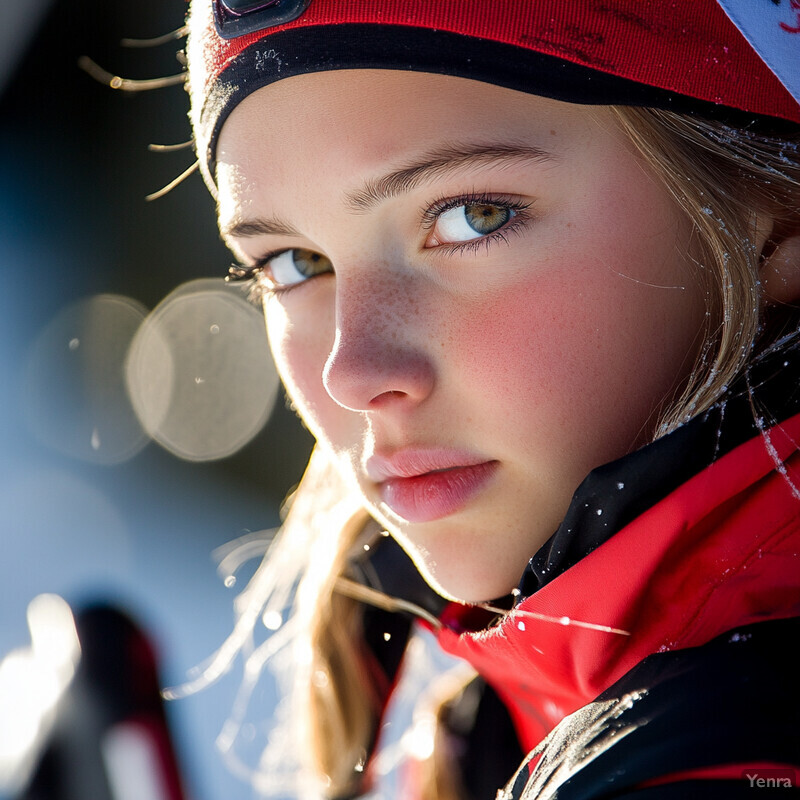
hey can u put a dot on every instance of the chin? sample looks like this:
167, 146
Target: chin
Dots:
461, 584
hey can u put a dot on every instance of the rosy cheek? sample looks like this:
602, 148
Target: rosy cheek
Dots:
556, 358
515, 340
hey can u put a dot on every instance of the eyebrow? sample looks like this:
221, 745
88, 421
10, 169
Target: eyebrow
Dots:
439, 164
258, 227
435, 165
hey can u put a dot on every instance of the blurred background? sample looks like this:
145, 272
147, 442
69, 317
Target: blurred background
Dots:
141, 424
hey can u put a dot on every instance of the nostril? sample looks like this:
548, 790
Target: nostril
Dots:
385, 398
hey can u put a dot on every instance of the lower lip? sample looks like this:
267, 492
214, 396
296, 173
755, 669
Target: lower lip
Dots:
434, 495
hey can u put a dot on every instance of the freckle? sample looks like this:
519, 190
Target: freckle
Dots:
552, 133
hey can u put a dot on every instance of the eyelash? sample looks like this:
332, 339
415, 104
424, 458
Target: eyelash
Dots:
249, 275
249, 278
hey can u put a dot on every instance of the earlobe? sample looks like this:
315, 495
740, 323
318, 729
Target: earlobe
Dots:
780, 272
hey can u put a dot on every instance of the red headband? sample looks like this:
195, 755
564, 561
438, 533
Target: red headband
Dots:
685, 54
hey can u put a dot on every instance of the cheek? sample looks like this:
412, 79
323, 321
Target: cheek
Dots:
300, 344
526, 347
507, 337
579, 357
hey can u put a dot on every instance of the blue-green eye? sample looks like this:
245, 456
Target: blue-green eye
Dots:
294, 266
470, 221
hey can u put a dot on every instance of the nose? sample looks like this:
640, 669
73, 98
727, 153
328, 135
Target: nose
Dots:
379, 359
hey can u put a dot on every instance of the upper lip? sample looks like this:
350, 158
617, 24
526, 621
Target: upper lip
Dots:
411, 462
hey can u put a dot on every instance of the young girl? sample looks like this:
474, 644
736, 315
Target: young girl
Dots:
530, 274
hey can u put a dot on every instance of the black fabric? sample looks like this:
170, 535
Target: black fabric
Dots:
298, 51
483, 768
734, 700
386, 567
767, 394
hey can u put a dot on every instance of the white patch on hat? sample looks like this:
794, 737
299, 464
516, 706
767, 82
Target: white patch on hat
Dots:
773, 29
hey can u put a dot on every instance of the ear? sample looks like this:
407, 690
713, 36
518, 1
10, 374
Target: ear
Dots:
780, 272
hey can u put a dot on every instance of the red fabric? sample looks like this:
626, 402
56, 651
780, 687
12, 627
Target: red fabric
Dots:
721, 551
686, 46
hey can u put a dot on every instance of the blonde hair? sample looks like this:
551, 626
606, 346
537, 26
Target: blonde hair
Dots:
725, 180
706, 166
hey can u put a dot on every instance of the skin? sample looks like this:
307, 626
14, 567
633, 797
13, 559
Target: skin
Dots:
549, 351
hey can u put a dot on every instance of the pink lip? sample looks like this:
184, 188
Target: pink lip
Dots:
425, 485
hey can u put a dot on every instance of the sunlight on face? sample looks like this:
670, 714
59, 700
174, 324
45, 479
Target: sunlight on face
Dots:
474, 297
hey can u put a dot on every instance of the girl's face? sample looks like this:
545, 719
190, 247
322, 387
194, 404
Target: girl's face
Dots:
480, 296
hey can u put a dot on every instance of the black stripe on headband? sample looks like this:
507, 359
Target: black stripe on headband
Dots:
323, 48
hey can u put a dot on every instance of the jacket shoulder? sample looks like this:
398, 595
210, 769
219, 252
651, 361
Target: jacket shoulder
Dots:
732, 701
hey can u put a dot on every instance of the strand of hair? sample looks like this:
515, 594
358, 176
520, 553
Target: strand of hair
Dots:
173, 183
179, 33
365, 594
128, 84
593, 626
170, 148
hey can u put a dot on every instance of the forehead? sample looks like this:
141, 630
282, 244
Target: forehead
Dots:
358, 122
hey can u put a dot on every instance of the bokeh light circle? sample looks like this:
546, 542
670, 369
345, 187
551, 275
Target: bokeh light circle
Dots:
199, 372
74, 396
